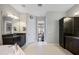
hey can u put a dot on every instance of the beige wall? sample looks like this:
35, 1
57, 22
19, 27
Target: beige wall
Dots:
0, 29
53, 26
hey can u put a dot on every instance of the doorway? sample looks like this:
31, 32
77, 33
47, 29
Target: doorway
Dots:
41, 29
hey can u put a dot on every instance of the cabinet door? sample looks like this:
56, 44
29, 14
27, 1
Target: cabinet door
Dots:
69, 26
74, 46
76, 26
61, 35
8, 41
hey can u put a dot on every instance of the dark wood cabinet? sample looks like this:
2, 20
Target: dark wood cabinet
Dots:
72, 44
61, 33
11, 39
69, 34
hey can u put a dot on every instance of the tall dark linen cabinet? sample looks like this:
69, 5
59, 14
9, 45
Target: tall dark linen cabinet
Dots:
69, 34
61, 33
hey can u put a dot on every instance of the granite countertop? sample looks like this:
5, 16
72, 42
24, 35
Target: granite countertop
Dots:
76, 37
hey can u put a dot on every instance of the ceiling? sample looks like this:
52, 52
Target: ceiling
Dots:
36, 10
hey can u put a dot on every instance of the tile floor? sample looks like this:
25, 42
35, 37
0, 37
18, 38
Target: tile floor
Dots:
45, 49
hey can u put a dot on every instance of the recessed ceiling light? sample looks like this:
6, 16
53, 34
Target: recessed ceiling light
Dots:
23, 5
39, 5
77, 13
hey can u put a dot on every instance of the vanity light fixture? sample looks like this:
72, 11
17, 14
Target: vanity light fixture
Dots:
12, 16
23, 5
